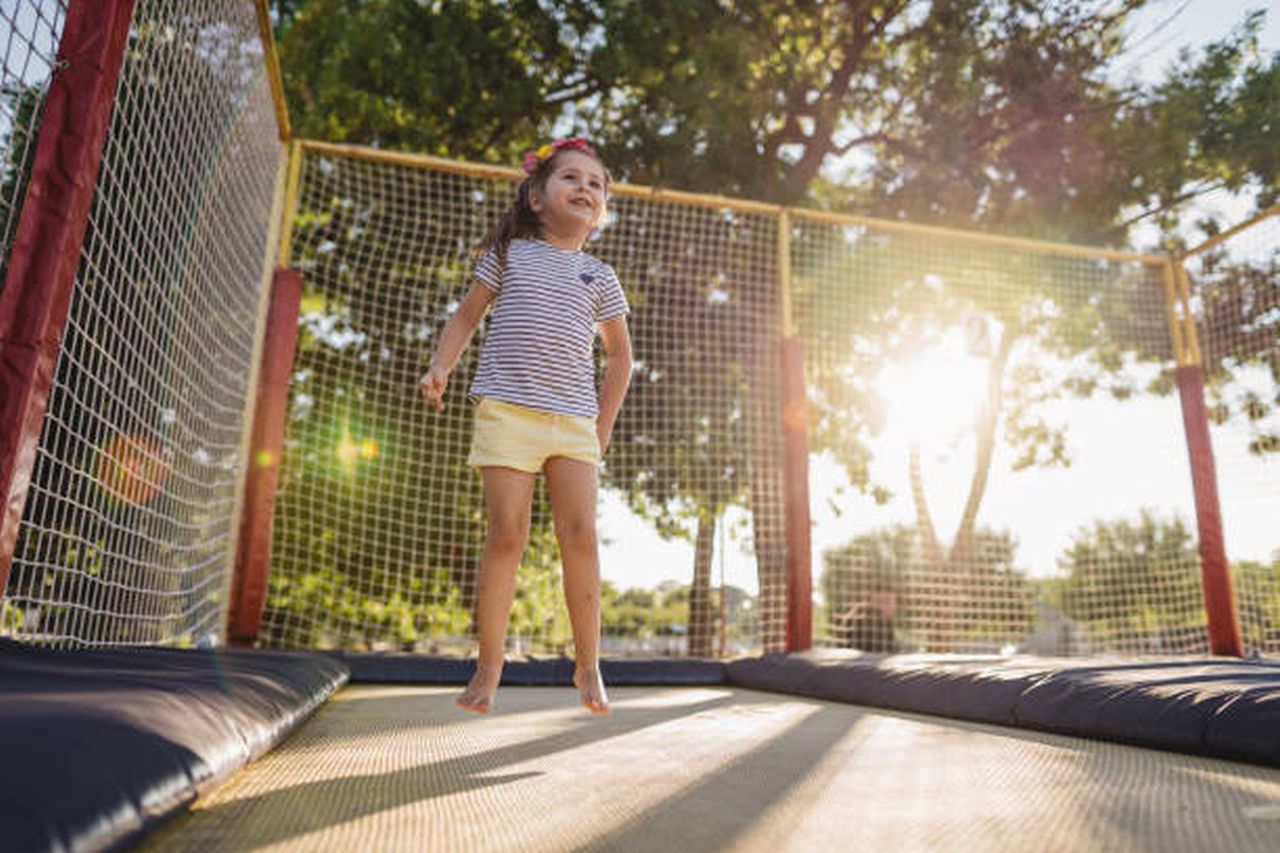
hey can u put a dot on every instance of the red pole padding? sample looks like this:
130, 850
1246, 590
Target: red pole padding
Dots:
1215, 573
47, 244
253, 549
796, 496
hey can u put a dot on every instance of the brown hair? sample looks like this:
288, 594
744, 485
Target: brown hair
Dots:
521, 221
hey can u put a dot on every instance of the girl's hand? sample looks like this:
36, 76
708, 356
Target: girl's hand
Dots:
432, 384
603, 433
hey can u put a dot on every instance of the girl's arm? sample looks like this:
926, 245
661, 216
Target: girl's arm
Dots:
453, 340
617, 375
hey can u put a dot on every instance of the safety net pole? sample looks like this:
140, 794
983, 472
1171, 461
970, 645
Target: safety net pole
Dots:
251, 572
253, 554
795, 460
46, 253
1215, 572
277, 346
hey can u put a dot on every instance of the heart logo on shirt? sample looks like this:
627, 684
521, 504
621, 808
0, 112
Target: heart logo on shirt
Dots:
587, 279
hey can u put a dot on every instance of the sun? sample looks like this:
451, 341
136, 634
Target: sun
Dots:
934, 396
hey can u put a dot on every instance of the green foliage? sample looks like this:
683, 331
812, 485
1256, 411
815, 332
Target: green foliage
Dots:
966, 113
1257, 587
969, 113
642, 615
996, 116
696, 412
538, 611
321, 608
989, 598
1239, 301
1210, 124
463, 78
1134, 585
21, 108
359, 440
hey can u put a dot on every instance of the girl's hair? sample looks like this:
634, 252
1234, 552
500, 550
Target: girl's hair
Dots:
521, 221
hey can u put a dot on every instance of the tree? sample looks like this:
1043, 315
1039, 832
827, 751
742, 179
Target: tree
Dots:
404, 75
1208, 126
21, 107
1238, 303
1134, 586
696, 434
1000, 117
996, 117
992, 595
1257, 588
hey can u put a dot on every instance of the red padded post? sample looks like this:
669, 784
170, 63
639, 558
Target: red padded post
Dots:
253, 549
1215, 572
796, 496
47, 243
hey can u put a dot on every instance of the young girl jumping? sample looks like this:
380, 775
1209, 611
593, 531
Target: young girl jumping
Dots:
538, 407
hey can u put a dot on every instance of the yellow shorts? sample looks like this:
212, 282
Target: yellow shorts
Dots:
512, 436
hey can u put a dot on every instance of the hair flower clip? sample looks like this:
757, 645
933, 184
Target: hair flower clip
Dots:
535, 158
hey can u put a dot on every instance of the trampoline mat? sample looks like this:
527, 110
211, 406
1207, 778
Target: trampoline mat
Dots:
710, 768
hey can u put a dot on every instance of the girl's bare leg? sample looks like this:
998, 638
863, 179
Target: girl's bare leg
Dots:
571, 485
508, 494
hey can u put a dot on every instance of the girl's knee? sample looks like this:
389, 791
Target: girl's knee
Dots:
507, 533
577, 535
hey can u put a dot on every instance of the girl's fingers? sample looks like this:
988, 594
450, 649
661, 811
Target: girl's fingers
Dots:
432, 391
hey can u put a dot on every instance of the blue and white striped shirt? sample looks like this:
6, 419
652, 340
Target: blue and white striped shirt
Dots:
538, 350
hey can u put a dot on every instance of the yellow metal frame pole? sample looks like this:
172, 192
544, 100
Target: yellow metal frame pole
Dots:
274, 78
290, 208
482, 170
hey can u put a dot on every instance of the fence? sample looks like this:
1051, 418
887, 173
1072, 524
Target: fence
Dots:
1231, 285
969, 443
145, 323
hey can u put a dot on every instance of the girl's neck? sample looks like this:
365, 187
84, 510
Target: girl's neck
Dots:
567, 242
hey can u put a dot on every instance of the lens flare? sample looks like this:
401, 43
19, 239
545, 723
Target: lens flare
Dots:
131, 468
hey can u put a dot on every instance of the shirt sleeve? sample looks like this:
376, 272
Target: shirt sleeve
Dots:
613, 302
488, 271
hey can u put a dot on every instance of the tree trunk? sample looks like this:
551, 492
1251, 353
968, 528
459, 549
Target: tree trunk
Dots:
934, 573
986, 442
960, 571
924, 519
770, 539
700, 622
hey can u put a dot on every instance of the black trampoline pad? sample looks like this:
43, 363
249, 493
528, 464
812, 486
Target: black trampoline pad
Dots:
102, 745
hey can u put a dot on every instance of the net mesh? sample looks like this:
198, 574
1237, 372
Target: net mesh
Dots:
30, 31
969, 400
997, 453
969, 405
380, 522
130, 516
1234, 290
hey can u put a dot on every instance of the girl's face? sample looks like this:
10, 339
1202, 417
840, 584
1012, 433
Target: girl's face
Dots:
572, 203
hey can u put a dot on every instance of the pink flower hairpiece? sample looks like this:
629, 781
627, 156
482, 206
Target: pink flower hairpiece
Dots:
534, 158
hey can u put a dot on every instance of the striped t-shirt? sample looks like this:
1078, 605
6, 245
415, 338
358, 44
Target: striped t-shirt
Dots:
538, 350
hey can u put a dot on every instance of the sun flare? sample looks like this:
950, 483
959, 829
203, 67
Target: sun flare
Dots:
935, 395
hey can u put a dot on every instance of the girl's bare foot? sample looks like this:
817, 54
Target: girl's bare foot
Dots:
591, 690
478, 696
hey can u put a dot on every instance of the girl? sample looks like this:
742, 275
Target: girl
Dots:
538, 408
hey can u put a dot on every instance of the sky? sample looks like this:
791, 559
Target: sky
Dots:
1124, 458
1164, 27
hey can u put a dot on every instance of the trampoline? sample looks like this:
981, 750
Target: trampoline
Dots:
165, 749
152, 367
712, 768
